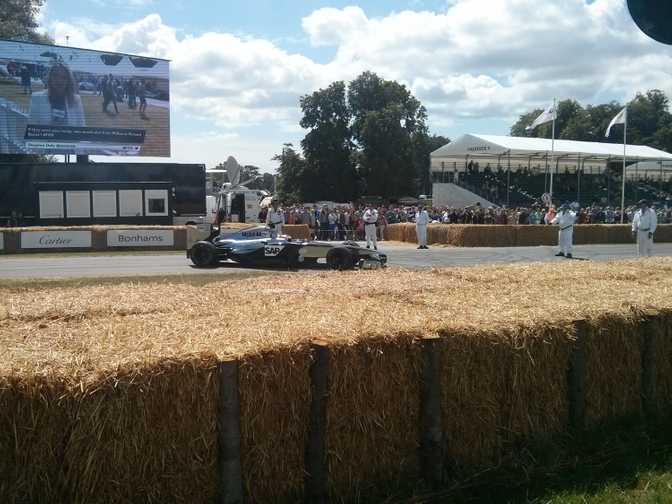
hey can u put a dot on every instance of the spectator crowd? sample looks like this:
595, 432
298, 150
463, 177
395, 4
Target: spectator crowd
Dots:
344, 222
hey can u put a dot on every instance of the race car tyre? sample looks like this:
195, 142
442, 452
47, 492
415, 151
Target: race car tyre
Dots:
340, 259
203, 254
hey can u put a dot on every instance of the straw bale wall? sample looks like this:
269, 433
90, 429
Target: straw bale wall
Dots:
111, 393
275, 396
372, 415
485, 235
297, 231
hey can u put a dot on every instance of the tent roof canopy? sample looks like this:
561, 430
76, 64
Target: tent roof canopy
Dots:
478, 146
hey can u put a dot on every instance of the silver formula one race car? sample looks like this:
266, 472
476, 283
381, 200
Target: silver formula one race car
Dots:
254, 246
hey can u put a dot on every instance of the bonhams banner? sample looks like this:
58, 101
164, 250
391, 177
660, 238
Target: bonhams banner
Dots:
55, 239
140, 238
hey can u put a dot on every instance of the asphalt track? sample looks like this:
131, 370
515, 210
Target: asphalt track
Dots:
399, 255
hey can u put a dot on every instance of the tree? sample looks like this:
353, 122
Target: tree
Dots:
291, 180
18, 20
260, 180
329, 170
423, 145
386, 118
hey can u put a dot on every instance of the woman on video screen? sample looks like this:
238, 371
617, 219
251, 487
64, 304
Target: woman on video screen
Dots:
59, 104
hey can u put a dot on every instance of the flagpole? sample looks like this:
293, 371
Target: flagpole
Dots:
625, 137
550, 188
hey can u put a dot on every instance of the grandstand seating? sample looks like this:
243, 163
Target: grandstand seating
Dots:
526, 187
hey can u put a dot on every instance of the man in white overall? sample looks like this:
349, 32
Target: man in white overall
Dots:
565, 219
275, 218
421, 221
644, 224
370, 218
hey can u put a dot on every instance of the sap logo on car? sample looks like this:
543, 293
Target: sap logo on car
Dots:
250, 234
273, 250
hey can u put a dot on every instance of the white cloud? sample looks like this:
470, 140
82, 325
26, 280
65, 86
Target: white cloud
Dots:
489, 59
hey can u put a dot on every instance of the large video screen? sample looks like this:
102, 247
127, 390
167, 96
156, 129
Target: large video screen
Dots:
63, 100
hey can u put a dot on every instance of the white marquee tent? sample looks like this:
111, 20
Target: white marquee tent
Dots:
535, 153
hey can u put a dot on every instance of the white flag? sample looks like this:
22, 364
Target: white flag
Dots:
618, 119
548, 115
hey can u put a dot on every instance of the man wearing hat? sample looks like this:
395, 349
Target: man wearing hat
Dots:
421, 221
370, 217
565, 219
275, 218
644, 224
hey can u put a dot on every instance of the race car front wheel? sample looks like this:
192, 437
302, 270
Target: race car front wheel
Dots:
203, 254
340, 259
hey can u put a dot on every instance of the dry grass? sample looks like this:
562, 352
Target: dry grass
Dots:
106, 390
96, 328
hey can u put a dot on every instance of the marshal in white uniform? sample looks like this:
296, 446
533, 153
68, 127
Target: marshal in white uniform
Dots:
644, 224
565, 219
421, 221
370, 218
275, 218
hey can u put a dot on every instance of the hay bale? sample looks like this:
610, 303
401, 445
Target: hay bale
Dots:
590, 234
499, 388
372, 415
663, 233
145, 434
662, 341
84, 359
613, 368
535, 235
35, 416
619, 233
274, 407
395, 232
297, 231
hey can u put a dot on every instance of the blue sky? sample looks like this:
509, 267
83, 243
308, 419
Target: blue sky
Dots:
239, 68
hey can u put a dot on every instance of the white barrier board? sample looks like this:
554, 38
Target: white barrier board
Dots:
2, 241
55, 239
140, 238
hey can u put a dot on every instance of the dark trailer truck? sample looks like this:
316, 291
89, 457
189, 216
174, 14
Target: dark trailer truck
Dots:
57, 194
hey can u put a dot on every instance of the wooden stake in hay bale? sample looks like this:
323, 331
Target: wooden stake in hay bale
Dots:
431, 432
316, 488
230, 477
576, 378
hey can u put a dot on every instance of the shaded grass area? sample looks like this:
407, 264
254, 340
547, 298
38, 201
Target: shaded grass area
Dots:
623, 462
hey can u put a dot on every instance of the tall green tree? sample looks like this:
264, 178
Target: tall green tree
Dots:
327, 147
291, 186
386, 118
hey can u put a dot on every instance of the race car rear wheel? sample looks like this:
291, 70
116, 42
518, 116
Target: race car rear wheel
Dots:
340, 259
203, 254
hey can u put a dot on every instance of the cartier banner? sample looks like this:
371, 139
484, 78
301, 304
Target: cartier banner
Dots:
55, 239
